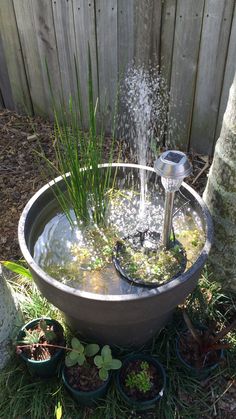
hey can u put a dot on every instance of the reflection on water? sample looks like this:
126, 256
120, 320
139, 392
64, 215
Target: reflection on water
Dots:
70, 254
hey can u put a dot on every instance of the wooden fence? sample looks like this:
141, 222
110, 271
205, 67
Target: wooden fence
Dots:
192, 41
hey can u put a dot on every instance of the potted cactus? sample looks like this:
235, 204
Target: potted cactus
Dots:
141, 381
41, 345
87, 371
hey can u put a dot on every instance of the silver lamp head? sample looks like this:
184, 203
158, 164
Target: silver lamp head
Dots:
173, 166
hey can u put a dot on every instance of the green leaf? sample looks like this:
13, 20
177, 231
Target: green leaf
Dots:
69, 362
58, 411
116, 364
17, 268
91, 349
76, 344
98, 361
81, 359
73, 355
107, 364
106, 353
43, 325
50, 335
103, 374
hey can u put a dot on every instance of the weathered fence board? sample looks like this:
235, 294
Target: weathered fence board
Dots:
193, 42
144, 51
184, 69
213, 50
28, 39
125, 34
167, 37
47, 50
230, 69
85, 37
13, 60
5, 85
2, 105
63, 18
106, 21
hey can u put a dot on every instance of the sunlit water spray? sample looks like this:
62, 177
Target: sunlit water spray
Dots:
145, 97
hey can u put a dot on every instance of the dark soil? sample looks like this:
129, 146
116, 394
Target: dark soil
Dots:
20, 176
196, 356
84, 378
134, 367
43, 352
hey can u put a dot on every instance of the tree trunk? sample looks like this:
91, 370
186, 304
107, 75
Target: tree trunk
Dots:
220, 197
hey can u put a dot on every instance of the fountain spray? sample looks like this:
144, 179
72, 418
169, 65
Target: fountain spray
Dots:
173, 166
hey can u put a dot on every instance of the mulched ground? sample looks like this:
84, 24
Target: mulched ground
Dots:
21, 177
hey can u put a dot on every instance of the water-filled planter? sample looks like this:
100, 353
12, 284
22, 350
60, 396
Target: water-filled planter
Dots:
127, 319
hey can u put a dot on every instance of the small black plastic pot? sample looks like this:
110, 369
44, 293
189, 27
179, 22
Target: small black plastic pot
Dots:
86, 398
199, 373
140, 405
45, 368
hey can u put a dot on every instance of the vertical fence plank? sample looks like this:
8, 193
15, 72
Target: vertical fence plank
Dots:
65, 38
85, 37
47, 49
213, 50
1, 101
28, 38
106, 19
5, 86
13, 59
167, 37
230, 70
184, 69
125, 34
147, 31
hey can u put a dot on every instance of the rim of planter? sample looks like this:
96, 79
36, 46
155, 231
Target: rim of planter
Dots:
141, 404
198, 264
31, 323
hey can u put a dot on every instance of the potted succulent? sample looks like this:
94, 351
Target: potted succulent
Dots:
141, 381
200, 349
41, 345
87, 373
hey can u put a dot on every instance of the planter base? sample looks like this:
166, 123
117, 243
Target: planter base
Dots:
125, 336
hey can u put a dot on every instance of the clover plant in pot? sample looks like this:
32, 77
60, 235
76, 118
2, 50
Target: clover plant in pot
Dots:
141, 381
87, 371
201, 349
41, 345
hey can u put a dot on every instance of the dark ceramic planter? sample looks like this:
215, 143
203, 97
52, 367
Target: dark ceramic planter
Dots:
140, 405
47, 368
199, 373
86, 398
124, 320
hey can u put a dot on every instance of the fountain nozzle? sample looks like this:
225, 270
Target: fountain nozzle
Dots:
173, 166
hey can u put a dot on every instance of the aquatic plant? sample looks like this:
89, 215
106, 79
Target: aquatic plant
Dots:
78, 156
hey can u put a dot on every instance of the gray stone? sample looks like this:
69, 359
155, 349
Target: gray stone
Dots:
9, 318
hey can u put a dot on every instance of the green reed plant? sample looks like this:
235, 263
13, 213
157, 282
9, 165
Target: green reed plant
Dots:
78, 157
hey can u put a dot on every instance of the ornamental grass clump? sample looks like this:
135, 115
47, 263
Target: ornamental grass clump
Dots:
78, 156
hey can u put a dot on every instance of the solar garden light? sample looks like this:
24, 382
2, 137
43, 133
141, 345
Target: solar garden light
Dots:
173, 166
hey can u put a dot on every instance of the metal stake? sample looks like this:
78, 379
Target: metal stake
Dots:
168, 212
